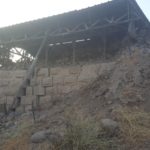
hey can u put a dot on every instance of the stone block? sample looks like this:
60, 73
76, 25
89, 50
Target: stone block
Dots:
45, 99
43, 72
27, 108
15, 82
27, 100
54, 71
70, 79
10, 91
88, 73
105, 67
50, 91
19, 73
33, 82
47, 82
29, 91
4, 74
39, 90
4, 82
58, 80
65, 89
75, 70
9, 100
3, 100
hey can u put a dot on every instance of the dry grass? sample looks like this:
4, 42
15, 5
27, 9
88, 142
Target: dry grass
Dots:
86, 134
21, 142
135, 128
83, 134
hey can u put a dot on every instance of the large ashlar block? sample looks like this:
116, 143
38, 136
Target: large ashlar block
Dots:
75, 70
29, 91
45, 99
88, 73
10, 91
47, 81
19, 73
59, 71
4, 82
3, 100
9, 99
33, 82
105, 67
66, 89
75, 87
15, 82
4, 74
50, 91
55, 71
43, 72
70, 79
39, 90
28, 100
58, 80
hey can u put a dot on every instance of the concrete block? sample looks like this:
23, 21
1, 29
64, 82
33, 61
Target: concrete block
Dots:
19, 73
4, 82
65, 89
27, 100
39, 90
105, 67
50, 91
45, 99
4, 74
58, 80
70, 79
3, 100
59, 71
27, 108
47, 82
75, 70
54, 71
43, 72
10, 91
33, 82
15, 82
39, 80
88, 73
9, 100
29, 91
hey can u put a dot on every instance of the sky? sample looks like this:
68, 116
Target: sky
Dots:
18, 11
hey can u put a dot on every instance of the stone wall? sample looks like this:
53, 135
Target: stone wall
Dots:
49, 82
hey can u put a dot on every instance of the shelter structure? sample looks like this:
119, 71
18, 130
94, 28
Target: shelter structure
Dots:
96, 28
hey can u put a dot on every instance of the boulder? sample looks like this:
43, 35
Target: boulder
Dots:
44, 135
110, 126
38, 137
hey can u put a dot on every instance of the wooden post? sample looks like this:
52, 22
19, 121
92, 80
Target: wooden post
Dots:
46, 56
73, 54
29, 74
104, 47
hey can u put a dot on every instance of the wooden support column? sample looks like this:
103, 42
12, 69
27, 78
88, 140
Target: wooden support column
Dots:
46, 56
74, 53
104, 46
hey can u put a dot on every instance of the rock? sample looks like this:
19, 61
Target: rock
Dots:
38, 137
110, 126
54, 137
44, 135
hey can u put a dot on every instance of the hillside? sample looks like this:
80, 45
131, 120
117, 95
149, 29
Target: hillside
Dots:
110, 113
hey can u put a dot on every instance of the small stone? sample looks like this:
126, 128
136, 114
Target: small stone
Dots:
38, 137
110, 126
42, 136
